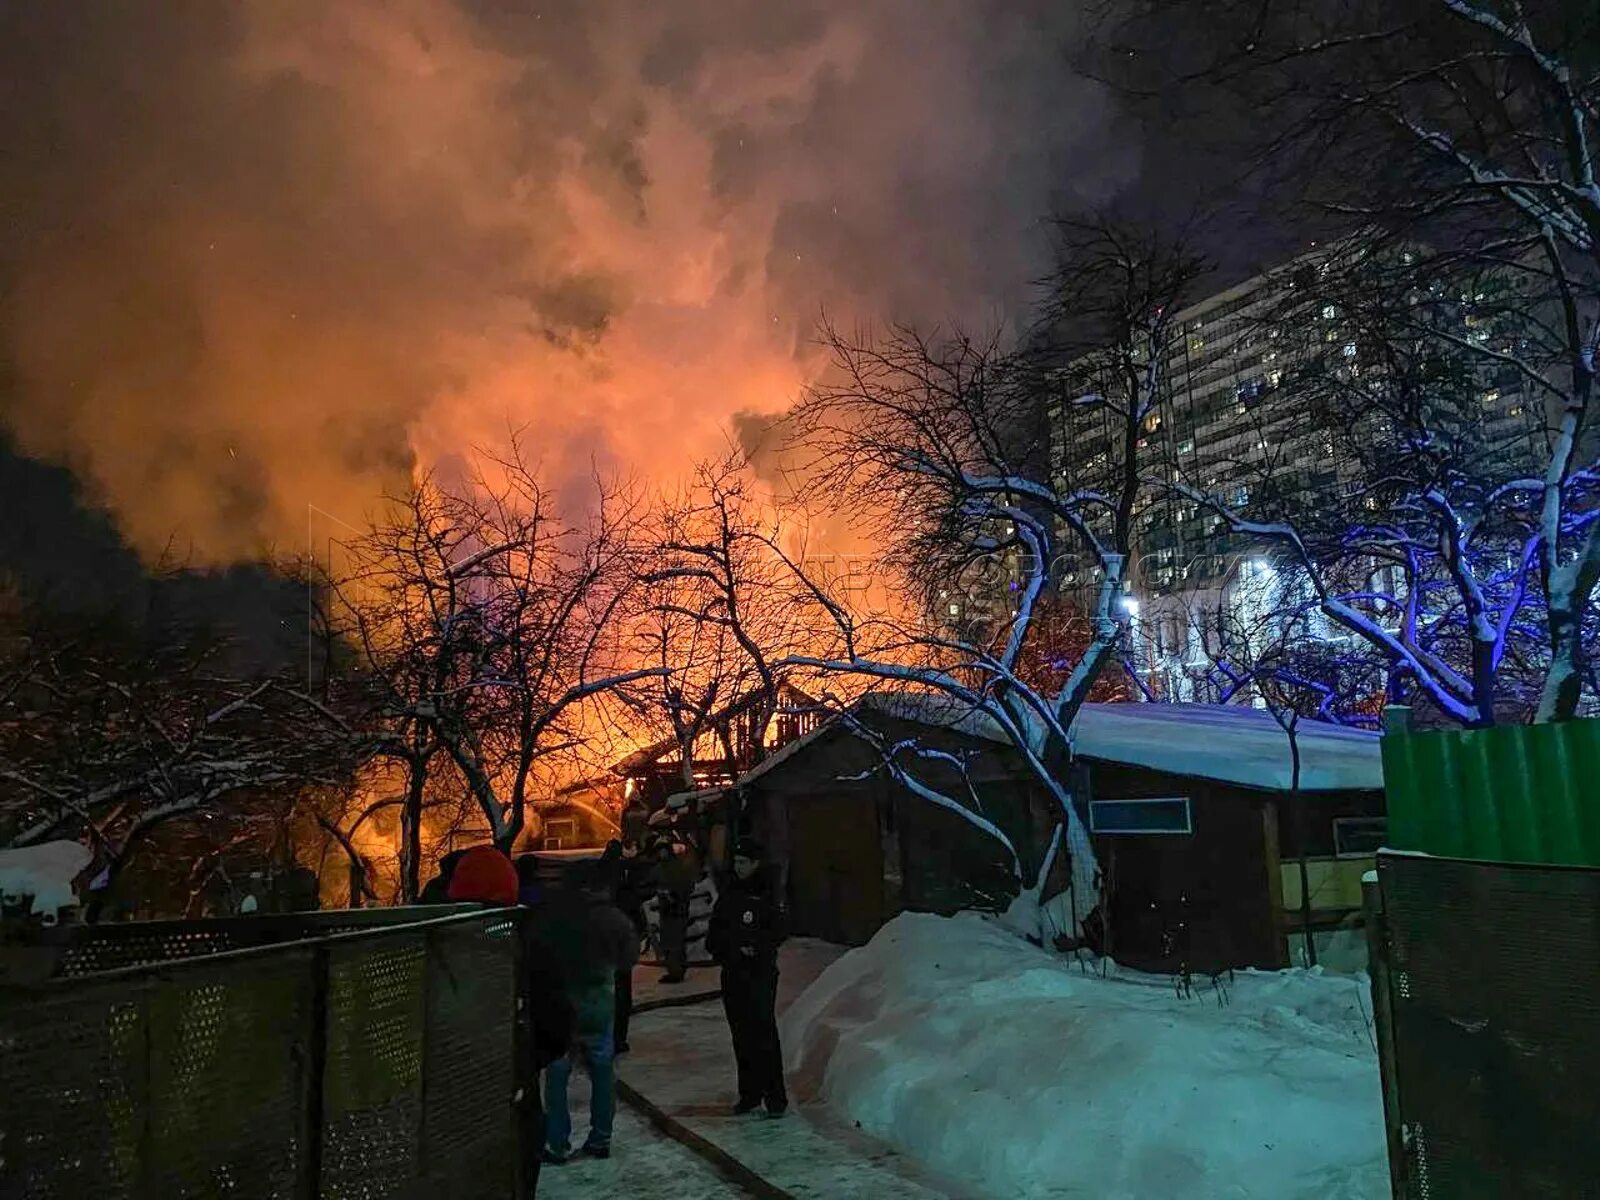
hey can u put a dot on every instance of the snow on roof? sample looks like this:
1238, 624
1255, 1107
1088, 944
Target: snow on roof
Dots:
1229, 743
684, 799
45, 871
936, 708
927, 707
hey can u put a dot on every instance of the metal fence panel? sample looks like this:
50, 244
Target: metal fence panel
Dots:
164, 1086
223, 1096
90, 949
72, 1097
363, 1067
468, 1134
1494, 986
1512, 793
372, 1083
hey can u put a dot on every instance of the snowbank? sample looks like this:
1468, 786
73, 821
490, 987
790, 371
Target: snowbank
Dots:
995, 1062
45, 871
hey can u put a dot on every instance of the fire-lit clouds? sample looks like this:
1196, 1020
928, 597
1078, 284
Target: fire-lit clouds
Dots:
261, 256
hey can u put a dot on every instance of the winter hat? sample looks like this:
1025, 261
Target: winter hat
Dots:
484, 876
749, 847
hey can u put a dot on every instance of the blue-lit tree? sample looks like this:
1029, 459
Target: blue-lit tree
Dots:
1465, 133
1425, 549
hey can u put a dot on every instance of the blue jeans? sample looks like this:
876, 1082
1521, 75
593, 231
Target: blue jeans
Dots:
598, 1052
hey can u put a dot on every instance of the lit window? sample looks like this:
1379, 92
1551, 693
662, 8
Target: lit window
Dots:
1328, 312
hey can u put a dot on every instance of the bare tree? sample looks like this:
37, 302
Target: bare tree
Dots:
1467, 130
935, 443
1406, 504
488, 621
108, 734
721, 612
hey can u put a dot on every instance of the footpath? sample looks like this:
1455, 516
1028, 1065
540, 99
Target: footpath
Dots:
680, 1076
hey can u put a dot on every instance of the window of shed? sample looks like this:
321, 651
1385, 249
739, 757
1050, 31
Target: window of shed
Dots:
1358, 837
1169, 815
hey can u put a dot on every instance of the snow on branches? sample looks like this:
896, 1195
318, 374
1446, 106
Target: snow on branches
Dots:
932, 443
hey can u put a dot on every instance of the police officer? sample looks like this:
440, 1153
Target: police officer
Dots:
747, 926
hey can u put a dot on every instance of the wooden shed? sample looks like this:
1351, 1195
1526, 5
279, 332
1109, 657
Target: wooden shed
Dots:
1199, 830
1196, 821
855, 847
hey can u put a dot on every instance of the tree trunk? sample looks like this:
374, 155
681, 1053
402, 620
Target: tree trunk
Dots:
359, 873
1563, 685
411, 831
1297, 804
358, 881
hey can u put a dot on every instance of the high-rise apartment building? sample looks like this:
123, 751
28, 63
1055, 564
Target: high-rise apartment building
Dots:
1224, 425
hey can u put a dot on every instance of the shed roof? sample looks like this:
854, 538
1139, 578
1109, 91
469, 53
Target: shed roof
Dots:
1229, 743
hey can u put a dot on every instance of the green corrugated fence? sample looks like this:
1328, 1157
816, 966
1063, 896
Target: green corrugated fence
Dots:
1513, 793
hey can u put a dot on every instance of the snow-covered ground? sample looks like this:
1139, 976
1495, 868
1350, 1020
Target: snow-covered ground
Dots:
682, 1061
991, 1061
645, 1165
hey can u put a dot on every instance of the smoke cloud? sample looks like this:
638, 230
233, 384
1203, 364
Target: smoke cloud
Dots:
265, 259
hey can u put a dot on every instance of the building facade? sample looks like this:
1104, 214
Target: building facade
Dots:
1229, 421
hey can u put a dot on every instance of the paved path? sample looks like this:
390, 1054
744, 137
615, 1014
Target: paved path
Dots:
645, 1165
648, 988
682, 1062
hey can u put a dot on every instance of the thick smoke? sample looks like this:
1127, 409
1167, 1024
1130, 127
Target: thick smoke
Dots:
263, 259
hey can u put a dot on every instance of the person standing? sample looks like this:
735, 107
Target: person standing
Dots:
590, 941
482, 875
530, 888
747, 927
437, 889
485, 875
679, 872
635, 883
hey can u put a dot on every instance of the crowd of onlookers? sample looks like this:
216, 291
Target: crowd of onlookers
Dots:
585, 929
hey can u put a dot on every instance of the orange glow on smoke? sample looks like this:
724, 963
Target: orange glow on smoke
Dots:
322, 246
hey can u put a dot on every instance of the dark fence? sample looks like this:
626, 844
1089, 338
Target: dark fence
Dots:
1486, 982
329, 1055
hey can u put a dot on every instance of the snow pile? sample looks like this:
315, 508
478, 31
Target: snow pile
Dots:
45, 872
989, 1060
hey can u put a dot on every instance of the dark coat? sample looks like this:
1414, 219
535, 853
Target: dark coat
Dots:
636, 883
748, 924
437, 889
553, 1017
589, 941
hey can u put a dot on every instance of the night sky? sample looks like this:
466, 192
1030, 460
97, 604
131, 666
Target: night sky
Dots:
261, 257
